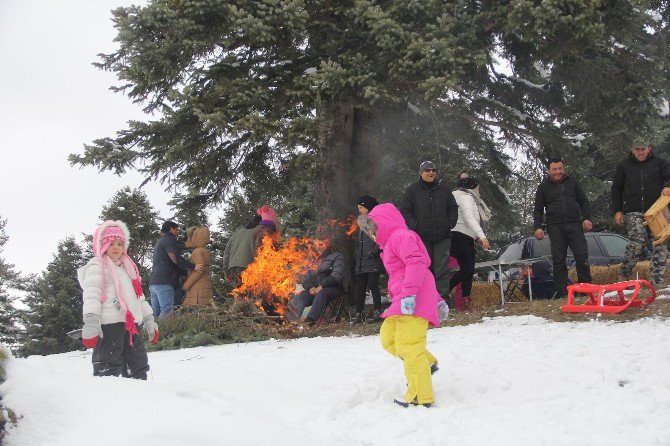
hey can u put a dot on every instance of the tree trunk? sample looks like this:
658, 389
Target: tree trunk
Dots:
349, 154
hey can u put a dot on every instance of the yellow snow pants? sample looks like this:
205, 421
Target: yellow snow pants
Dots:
405, 337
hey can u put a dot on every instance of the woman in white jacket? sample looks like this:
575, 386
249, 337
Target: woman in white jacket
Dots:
471, 211
114, 306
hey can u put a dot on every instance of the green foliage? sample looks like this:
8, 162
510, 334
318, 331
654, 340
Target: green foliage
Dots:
190, 210
241, 87
10, 283
132, 207
54, 304
197, 326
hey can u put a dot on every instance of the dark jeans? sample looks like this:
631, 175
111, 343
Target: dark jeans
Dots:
178, 295
563, 235
463, 250
439, 263
363, 282
112, 356
319, 302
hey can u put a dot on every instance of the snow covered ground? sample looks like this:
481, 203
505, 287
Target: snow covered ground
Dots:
507, 381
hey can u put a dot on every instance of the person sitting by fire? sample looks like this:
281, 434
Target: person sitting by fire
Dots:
321, 285
267, 226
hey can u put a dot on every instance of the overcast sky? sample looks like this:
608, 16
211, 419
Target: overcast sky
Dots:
52, 102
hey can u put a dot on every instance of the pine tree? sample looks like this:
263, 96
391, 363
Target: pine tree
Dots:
372, 87
54, 304
132, 206
189, 210
10, 282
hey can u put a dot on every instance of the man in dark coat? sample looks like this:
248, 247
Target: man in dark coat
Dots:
567, 217
639, 180
320, 286
166, 258
430, 210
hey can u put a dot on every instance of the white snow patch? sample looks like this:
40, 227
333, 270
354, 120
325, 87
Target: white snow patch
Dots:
506, 381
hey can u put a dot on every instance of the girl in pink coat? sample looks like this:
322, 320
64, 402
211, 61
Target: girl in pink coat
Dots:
414, 298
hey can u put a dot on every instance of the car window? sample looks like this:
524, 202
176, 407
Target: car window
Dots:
614, 244
542, 247
594, 248
513, 251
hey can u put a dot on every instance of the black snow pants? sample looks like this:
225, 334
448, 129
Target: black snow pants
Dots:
113, 356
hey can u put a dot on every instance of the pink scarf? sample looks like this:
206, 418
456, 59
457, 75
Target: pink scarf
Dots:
134, 274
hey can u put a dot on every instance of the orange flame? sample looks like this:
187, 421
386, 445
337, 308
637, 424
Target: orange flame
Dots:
271, 278
350, 224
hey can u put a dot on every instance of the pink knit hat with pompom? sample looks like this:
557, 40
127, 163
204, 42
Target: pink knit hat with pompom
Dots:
110, 234
267, 213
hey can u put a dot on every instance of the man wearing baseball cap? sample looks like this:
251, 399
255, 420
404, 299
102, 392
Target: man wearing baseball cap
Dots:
430, 210
639, 180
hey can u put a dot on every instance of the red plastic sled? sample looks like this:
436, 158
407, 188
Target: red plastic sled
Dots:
598, 303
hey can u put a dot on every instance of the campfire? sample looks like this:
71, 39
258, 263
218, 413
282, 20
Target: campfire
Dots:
270, 280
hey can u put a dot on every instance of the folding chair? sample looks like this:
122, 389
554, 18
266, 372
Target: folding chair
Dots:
335, 309
514, 290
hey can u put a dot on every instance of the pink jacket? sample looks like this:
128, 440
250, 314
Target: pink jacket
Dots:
406, 261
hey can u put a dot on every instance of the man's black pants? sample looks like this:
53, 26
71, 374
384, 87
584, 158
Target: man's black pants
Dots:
561, 236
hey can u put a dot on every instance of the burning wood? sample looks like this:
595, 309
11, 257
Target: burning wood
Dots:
269, 281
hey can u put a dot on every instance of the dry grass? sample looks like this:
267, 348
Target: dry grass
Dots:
243, 322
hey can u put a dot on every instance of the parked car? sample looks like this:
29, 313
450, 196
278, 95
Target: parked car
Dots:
604, 248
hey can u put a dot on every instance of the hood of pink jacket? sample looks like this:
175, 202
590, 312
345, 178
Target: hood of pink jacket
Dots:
406, 261
388, 220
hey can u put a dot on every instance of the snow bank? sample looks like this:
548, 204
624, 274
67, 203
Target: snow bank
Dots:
506, 381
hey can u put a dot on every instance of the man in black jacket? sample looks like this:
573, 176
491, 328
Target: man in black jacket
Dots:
166, 260
430, 210
639, 180
567, 217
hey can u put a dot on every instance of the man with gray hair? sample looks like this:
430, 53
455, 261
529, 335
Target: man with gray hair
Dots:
639, 180
430, 210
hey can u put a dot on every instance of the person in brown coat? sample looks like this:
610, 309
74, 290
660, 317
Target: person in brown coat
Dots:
198, 285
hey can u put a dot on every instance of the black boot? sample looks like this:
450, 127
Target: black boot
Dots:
376, 317
357, 319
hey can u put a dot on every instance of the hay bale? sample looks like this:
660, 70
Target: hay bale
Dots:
485, 295
610, 274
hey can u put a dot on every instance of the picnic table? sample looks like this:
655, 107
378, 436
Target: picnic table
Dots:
504, 270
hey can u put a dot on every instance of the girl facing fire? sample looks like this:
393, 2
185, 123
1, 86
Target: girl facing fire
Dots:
414, 300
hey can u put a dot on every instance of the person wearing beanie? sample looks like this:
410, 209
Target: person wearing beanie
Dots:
368, 267
166, 261
430, 209
114, 308
239, 252
471, 212
563, 208
267, 226
639, 180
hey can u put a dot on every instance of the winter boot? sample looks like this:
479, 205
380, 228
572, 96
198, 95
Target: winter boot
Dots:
413, 403
357, 319
376, 317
